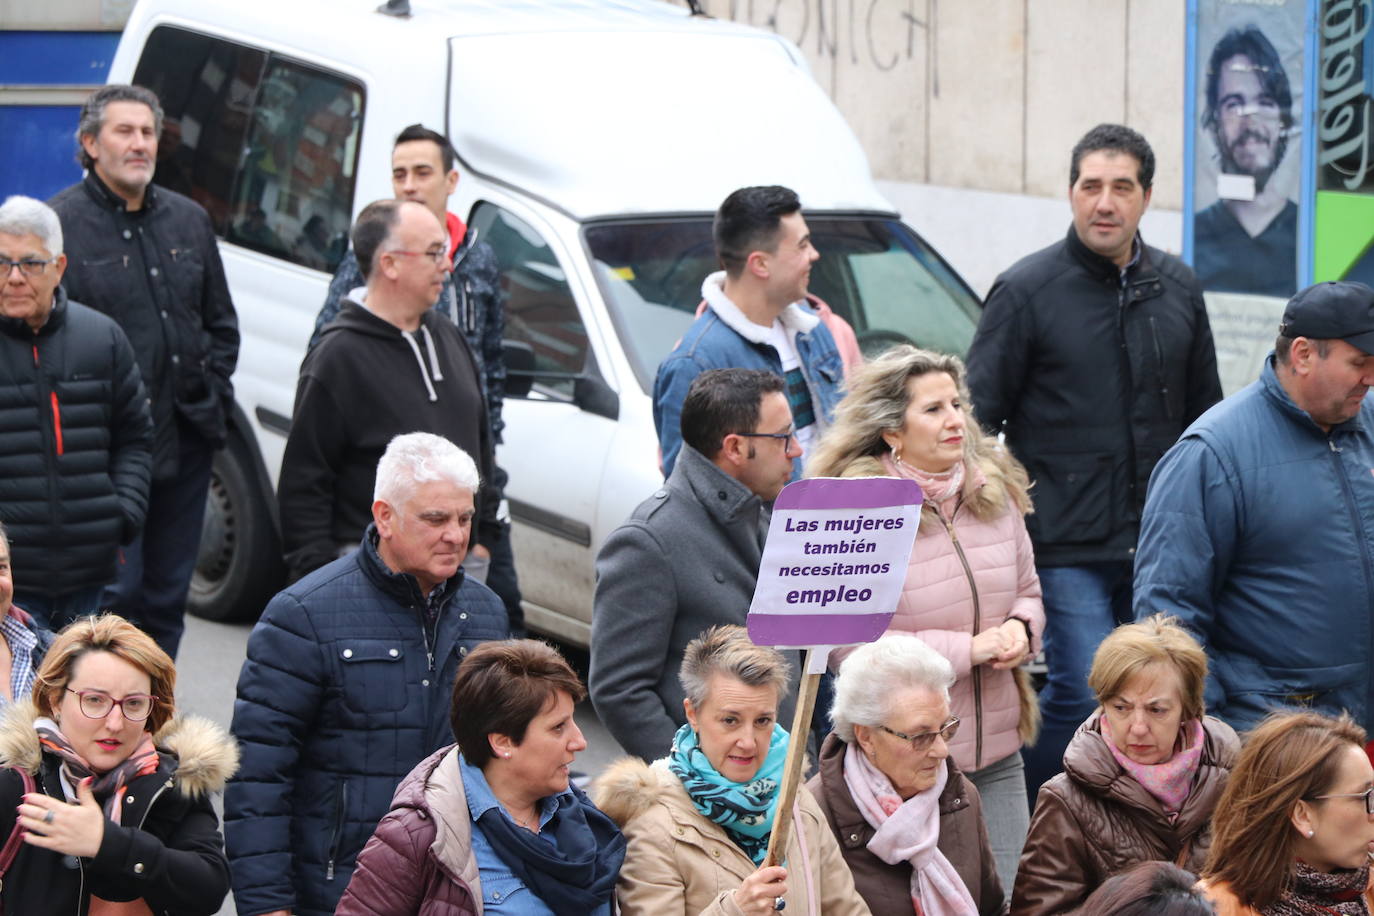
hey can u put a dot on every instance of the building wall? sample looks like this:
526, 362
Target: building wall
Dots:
990, 94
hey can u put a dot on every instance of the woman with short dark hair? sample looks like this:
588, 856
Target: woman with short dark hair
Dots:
493, 822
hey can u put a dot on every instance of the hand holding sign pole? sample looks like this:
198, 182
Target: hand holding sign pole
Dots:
831, 575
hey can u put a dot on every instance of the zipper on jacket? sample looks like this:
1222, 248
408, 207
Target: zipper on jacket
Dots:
1349, 495
335, 838
56, 422
1159, 363
977, 624
1122, 300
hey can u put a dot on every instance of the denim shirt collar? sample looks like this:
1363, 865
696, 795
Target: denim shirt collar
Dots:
481, 799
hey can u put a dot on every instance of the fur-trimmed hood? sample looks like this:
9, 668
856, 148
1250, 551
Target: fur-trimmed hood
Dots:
206, 754
629, 787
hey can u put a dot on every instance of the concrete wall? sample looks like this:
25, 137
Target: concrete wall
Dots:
93, 15
990, 94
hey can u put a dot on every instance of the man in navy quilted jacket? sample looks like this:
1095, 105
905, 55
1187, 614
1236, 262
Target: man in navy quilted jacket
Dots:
347, 681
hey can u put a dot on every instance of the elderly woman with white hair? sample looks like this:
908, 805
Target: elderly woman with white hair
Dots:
909, 823
698, 822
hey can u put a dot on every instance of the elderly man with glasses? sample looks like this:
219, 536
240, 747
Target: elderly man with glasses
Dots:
387, 365
74, 426
688, 557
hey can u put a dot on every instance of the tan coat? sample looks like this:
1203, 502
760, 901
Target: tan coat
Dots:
680, 862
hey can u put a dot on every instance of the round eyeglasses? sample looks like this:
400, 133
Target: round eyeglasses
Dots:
95, 705
924, 740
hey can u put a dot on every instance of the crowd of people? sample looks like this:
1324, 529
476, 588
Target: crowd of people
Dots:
1188, 566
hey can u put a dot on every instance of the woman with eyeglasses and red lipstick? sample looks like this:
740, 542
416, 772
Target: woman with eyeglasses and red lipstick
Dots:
1142, 776
972, 592
104, 793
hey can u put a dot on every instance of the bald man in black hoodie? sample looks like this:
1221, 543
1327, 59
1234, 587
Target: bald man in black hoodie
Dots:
386, 366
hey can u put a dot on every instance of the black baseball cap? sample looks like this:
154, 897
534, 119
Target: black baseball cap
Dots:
1340, 310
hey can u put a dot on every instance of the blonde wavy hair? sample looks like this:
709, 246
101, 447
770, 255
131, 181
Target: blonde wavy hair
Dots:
876, 402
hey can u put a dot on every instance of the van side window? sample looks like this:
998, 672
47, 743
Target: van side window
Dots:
267, 145
540, 309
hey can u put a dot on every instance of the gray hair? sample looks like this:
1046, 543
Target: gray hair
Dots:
875, 672
21, 215
93, 113
728, 651
416, 458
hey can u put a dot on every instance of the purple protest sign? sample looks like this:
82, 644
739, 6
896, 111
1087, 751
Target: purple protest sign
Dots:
835, 561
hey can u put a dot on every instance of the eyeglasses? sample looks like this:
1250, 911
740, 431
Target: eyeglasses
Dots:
438, 256
924, 740
29, 267
1367, 795
782, 437
135, 707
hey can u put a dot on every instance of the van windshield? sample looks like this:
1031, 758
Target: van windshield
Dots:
875, 273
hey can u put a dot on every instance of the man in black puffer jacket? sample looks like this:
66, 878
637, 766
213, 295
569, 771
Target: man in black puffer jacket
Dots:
1092, 355
74, 426
347, 682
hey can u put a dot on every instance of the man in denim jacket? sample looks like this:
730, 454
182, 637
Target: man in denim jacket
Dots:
756, 318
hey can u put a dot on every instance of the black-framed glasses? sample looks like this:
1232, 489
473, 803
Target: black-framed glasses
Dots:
782, 437
924, 740
95, 705
29, 267
1367, 795
438, 255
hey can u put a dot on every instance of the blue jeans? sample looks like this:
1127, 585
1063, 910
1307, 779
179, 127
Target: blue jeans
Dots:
56, 612
1082, 605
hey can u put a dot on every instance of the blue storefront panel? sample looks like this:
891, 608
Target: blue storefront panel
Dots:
38, 148
56, 58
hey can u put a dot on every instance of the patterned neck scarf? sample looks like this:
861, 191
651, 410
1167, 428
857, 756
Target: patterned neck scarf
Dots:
1170, 781
108, 787
1340, 892
744, 809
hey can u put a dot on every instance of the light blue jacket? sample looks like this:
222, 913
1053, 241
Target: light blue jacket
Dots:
721, 338
1258, 534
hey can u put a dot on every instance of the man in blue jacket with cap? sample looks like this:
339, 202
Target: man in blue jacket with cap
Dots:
1258, 530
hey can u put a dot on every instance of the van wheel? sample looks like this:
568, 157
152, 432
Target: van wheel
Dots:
239, 567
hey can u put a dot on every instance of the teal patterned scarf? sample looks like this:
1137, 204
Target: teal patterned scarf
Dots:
745, 810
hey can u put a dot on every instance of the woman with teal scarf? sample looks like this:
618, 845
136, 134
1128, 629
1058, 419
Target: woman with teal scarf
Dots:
697, 822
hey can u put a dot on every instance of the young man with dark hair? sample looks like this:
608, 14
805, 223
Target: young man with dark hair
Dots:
1092, 356
148, 258
1248, 243
423, 170
688, 557
756, 317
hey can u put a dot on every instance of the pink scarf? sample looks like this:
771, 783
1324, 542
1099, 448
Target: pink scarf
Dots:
940, 490
1170, 781
908, 831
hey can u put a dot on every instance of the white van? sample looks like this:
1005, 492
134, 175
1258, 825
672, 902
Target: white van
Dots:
596, 138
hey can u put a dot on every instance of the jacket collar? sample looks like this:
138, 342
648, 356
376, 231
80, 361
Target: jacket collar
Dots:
794, 318
1141, 269
102, 195
17, 327
401, 587
722, 496
1275, 392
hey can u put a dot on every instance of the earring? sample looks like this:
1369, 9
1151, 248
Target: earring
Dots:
506, 754
1311, 833
896, 454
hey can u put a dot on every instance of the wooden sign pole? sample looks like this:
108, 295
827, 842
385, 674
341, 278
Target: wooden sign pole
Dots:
796, 754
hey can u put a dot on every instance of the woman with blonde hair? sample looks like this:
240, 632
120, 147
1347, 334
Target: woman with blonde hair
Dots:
111, 792
1294, 830
971, 592
1141, 776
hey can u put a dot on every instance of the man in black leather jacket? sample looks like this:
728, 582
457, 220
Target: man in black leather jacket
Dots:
1092, 356
147, 257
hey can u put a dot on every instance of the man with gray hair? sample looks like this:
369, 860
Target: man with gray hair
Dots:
389, 364
147, 257
347, 680
74, 426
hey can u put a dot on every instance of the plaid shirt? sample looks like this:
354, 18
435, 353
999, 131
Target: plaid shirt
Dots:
22, 642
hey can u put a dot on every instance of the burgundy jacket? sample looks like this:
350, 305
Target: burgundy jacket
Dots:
887, 888
419, 862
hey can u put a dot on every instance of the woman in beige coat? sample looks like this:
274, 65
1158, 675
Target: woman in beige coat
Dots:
698, 821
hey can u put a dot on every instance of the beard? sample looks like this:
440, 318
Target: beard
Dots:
1230, 166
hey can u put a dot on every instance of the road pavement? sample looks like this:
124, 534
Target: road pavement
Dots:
208, 668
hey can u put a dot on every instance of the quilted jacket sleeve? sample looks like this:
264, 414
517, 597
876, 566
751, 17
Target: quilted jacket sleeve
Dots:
389, 877
1053, 876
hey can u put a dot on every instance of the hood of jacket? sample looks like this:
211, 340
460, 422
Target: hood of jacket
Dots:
355, 318
436, 788
206, 754
629, 787
1093, 768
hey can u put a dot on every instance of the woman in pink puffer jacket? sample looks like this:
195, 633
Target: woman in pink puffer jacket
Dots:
971, 591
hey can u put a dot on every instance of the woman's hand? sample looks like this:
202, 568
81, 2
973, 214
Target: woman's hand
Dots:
761, 889
1015, 644
74, 830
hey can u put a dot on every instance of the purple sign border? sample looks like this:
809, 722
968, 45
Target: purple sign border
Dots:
820, 629
841, 493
